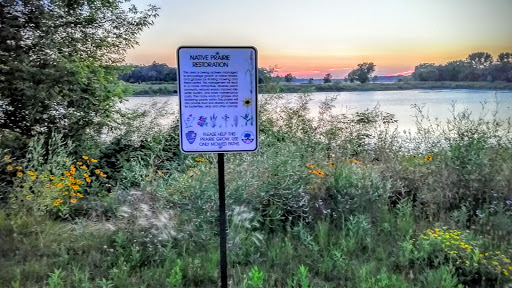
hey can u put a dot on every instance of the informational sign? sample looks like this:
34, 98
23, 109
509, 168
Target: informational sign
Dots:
217, 89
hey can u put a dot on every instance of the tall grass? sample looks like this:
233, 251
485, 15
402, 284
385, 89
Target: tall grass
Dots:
331, 201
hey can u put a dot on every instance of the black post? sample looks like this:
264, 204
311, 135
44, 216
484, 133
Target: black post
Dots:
222, 223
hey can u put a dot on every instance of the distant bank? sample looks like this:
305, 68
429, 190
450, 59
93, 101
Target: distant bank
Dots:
169, 89
390, 86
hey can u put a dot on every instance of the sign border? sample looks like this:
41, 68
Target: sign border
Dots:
255, 100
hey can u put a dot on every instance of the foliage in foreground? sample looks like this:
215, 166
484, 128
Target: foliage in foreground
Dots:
336, 201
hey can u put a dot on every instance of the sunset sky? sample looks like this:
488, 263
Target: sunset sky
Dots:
312, 38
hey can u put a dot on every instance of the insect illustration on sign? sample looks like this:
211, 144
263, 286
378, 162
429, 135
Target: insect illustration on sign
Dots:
235, 121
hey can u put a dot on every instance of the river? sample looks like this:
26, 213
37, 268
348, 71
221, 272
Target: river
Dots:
436, 103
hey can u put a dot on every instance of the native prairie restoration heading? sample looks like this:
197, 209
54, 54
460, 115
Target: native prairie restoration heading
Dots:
208, 60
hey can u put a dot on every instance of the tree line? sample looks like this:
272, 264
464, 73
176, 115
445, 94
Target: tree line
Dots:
161, 72
478, 66
156, 72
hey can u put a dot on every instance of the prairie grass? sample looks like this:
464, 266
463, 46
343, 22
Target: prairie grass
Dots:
332, 201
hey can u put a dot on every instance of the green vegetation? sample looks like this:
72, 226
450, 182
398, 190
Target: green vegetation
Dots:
478, 66
362, 73
336, 201
156, 72
92, 196
57, 66
405, 84
152, 89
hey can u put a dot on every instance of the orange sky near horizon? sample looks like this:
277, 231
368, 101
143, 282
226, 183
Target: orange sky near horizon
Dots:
311, 39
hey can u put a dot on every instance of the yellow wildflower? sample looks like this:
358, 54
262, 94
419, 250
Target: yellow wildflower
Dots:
79, 182
94, 160
67, 173
86, 175
103, 174
57, 202
83, 167
75, 187
200, 159
73, 200
332, 164
79, 195
19, 167
10, 167
7, 157
79, 163
85, 157
88, 180
97, 171
310, 165
29, 197
60, 185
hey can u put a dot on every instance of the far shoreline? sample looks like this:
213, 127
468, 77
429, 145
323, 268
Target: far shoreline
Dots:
350, 87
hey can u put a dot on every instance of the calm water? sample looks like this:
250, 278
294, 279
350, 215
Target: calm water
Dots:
435, 103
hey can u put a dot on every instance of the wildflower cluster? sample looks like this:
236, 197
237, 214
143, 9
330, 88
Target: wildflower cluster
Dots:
465, 254
44, 189
426, 158
318, 172
13, 167
75, 179
355, 161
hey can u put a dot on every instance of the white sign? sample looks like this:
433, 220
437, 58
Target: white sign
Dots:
218, 99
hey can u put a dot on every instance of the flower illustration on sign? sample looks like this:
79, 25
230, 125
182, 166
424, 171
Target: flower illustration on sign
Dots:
202, 121
225, 118
213, 119
248, 118
188, 121
247, 102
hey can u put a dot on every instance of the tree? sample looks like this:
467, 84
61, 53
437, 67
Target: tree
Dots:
288, 78
479, 59
155, 72
502, 70
426, 72
57, 63
327, 78
310, 81
504, 58
362, 73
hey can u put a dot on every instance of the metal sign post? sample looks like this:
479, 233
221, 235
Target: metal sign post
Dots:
222, 222
217, 89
